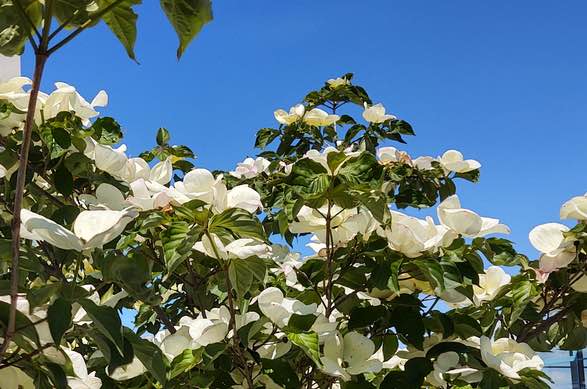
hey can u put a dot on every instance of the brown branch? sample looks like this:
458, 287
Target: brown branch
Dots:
40, 60
164, 319
85, 25
26, 356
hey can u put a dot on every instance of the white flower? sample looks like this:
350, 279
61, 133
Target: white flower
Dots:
250, 168
198, 184
322, 158
443, 363
279, 309
13, 378
66, 98
345, 224
448, 364
376, 113
549, 240
148, 195
107, 197
412, 236
109, 300
13, 92
295, 113
466, 222
337, 82
81, 380
241, 196
424, 163
205, 331
191, 334
90, 229
136, 168
34, 315
490, 283
388, 155
288, 263
317, 117
575, 208
274, 349
239, 248
453, 161
223, 314
111, 160
394, 362
348, 356
509, 357
131, 370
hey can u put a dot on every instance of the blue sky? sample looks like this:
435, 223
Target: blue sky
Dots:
504, 82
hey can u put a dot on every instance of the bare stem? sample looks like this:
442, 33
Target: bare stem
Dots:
40, 60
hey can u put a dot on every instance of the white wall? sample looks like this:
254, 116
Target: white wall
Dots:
9, 67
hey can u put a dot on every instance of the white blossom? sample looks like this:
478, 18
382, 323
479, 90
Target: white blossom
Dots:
509, 357
91, 229
250, 168
337, 82
453, 161
349, 355
239, 248
66, 98
412, 236
128, 371
279, 309
575, 208
466, 222
376, 113
295, 113
318, 117
556, 252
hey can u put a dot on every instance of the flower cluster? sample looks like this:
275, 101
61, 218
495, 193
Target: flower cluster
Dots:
206, 260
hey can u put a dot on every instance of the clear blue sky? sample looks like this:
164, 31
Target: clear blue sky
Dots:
504, 82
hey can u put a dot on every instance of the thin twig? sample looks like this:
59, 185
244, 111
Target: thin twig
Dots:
87, 23
26, 356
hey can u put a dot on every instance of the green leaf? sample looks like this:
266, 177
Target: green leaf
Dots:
390, 345
106, 131
107, 321
237, 222
59, 319
185, 362
432, 271
492, 380
265, 136
366, 316
27, 328
300, 323
522, 293
187, 18
63, 180
131, 272
243, 272
281, 372
308, 342
162, 136
149, 354
444, 347
42, 295
178, 240
57, 375
416, 369
14, 27
122, 21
